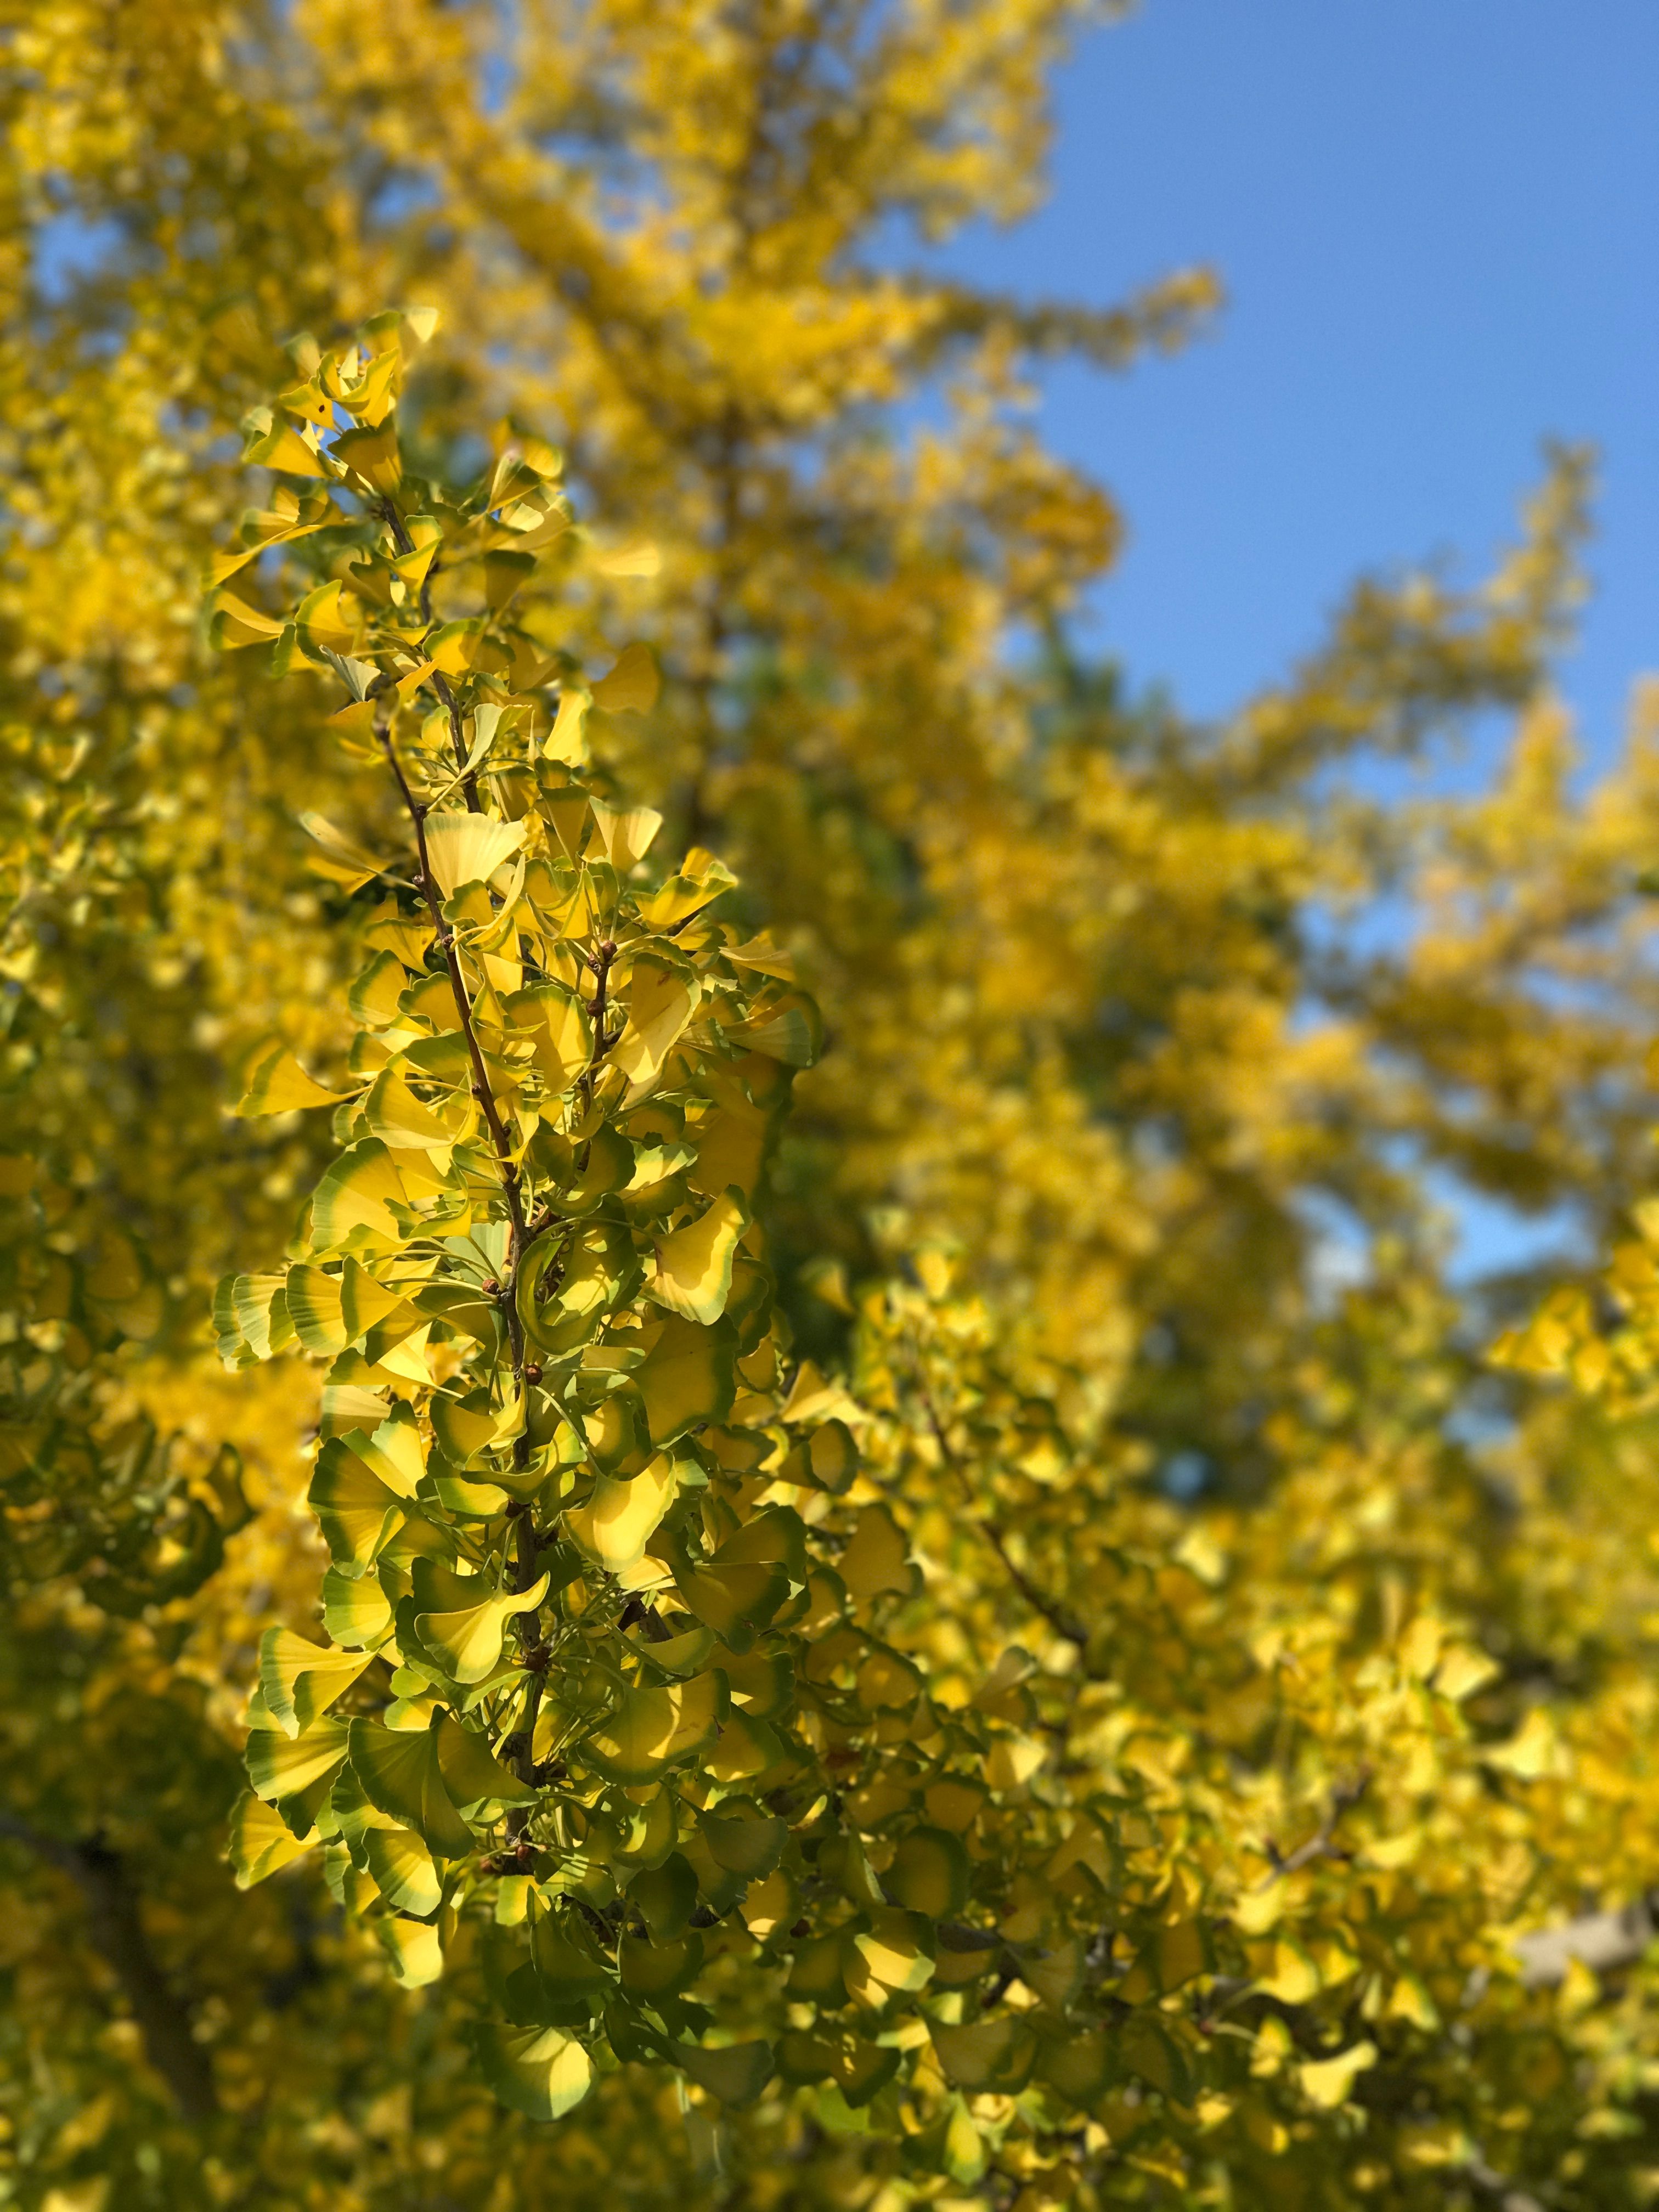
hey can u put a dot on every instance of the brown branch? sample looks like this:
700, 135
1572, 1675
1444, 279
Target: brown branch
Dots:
115, 1927
1050, 1609
440, 683
481, 1090
1322, 1844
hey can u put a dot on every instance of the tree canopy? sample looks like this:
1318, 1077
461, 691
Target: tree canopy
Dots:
741, 1463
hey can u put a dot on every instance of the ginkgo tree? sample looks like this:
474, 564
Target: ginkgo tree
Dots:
1299, 1767
627, 1723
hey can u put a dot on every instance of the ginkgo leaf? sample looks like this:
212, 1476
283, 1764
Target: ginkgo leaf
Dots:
735, 1599
235, 623
1079, 2068
352, 1207
258, 1315
356, 1613
463, 648
618, 1521
325, 622
893, 1957
566, 740
652, 1730
539, 2071
693, 1273
656, 1969
393, 1450
468, 849
1327, 2082
630, 688
399, 1773
929, 1873
415, 1950
991, 2055
666, 1897
736, 2072
661, 1001
700, 880
313, 1307
371, 456
689, 1376
277, 445
404, 1871
299, 1679
358, 1514
281, 1768
261, 1843
878, 1559
344, 861
742, 1840
277, 1084
560, 1028
468, 1639
473, 1774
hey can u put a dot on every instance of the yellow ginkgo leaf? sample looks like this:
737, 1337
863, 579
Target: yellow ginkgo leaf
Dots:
468, 849
694, 1263
277, 1084
616, 1524
631, 687
1327, 2082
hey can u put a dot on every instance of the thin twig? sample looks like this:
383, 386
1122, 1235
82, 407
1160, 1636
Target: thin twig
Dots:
115, 1926
440, 683
1322, 1844
481, 1089
1050, 1609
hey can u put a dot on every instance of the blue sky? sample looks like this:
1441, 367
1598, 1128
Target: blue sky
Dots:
1439, 224
1437, 221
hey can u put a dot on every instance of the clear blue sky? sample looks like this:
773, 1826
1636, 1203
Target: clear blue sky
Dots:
1439, 224
1437, 221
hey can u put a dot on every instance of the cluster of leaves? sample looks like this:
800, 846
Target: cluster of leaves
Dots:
607, 1669
1097, 1018
87, 1487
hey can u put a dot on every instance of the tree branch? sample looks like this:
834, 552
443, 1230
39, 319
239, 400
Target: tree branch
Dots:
115, 1927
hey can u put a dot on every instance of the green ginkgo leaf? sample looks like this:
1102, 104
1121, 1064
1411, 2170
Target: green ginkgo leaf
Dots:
356, 1512
299, 1679
296, 1774
994, 2055
657, 1970
399, 1773
688, 1376
314, 1306
467, 1639
261, 1843
404, 1871
653, 1729
414, 1948
539, 2071
357, 1204
929, 1873
356, 1613
473, 1774
736, 2072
